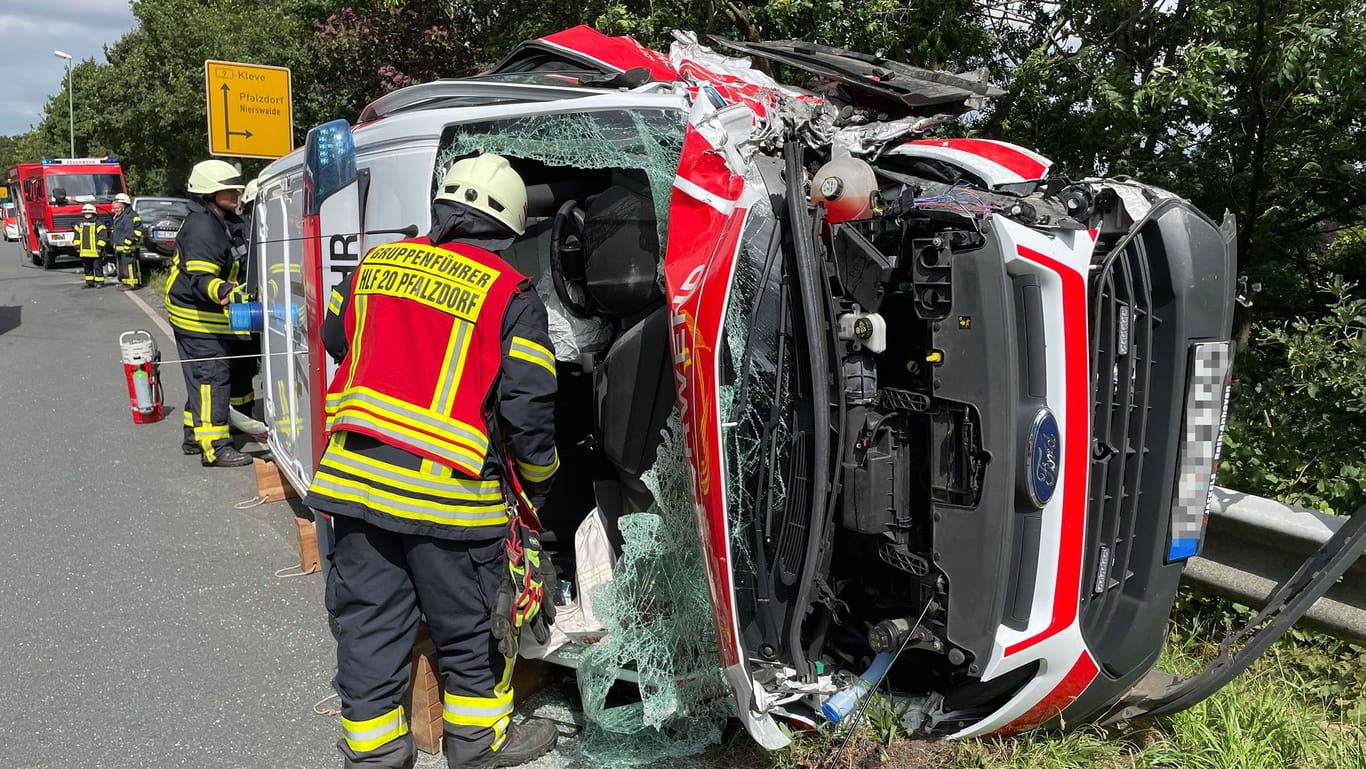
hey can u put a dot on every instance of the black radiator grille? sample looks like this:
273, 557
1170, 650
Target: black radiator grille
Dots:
1122, 331
66, 221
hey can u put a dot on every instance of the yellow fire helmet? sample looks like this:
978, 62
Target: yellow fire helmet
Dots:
210, 176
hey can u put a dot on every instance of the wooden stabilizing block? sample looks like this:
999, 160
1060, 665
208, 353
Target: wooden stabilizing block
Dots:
271, 484
308, 546
424, 704
529, 677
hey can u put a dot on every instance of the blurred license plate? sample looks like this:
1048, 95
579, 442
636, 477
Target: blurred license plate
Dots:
164, 234
1207, 390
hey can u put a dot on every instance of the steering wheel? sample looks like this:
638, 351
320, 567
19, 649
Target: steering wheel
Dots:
567, 260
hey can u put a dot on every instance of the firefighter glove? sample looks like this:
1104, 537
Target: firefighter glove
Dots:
522, 602
238, 294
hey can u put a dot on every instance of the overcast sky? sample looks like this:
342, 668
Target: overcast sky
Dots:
29, 32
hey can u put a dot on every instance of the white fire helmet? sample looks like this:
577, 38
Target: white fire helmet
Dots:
487, 183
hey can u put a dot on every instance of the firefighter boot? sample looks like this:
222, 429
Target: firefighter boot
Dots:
228, 456
526, 741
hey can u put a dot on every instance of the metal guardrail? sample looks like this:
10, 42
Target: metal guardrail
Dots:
1253, 543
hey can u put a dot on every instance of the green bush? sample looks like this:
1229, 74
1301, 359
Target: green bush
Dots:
1299, 429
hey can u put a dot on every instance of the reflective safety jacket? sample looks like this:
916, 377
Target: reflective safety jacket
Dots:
434, 342
91, 238
210, 259
126, 232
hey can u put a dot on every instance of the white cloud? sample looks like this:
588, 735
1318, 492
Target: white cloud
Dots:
30, 30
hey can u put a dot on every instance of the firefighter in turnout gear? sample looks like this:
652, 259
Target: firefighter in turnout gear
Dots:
209, 264
91, 237
446, 381
126, 235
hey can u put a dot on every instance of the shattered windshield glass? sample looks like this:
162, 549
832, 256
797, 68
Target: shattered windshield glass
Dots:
646, 139
761, 432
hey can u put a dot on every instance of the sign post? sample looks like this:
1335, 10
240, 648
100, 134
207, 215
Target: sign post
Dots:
250, 110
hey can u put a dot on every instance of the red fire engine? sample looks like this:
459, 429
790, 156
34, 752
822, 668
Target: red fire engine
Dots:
48, 197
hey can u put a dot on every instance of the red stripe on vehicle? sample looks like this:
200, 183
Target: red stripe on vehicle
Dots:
703, 240
316, 308
1000, 153
1071, 686
1076, 352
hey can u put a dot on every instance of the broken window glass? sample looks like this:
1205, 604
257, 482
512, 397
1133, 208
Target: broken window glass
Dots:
646, 139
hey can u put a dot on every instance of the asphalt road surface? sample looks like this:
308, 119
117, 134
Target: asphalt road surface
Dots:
141, 621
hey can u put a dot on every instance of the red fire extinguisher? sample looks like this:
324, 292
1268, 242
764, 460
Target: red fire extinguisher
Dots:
142, 370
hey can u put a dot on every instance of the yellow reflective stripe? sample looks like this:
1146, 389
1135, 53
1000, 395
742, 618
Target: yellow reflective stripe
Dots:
334, 303
477, 711
362, 736
190, 319
452, 367
195, 314
205, 405
340, 458
204, 328
538, 473
205, 420
361, 308
171, 279
392, 408
199, 265
242, 400
189, 418
460, 456
217, 288
504, 689
349, 490
531, 352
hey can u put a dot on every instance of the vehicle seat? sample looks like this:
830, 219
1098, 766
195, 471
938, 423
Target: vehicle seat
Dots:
634, 392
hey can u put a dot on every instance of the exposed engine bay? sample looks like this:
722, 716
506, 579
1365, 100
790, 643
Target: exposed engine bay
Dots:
832, 594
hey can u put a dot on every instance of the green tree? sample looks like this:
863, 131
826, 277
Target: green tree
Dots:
365, 49
1304, 408
8, 156
1251, 107
152, 90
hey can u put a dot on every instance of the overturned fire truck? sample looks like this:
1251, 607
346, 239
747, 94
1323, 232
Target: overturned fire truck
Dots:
950, 423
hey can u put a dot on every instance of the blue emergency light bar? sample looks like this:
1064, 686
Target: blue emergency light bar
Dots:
329, 163
78, 161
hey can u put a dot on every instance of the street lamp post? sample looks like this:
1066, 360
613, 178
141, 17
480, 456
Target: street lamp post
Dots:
70, 114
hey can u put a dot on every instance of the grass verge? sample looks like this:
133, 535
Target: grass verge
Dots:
154, 279
1302, 706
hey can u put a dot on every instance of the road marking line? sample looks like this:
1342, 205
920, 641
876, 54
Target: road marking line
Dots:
157, 319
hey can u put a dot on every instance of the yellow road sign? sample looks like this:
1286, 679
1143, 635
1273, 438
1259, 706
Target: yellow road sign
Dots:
250, 110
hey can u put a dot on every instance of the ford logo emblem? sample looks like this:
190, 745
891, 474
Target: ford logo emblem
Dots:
1043, 454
